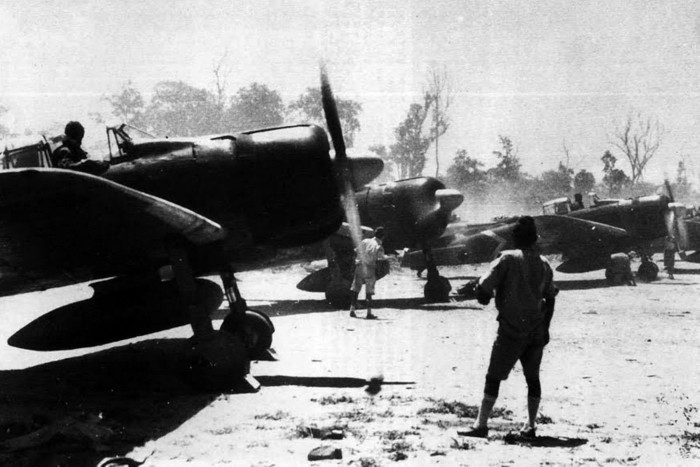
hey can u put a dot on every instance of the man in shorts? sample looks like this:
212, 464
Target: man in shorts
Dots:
369, 251
524, 289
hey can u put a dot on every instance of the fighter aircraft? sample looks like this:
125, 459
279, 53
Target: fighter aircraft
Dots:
585, 238
413, 212
164, 214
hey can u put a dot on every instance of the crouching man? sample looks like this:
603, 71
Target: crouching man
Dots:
522, 282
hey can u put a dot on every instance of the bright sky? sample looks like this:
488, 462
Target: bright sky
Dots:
544, 73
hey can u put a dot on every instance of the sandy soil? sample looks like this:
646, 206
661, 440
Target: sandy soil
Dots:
620, 383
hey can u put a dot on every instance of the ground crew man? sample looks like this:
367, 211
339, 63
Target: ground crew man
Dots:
670, 248
368, 252
619, 271
522, 282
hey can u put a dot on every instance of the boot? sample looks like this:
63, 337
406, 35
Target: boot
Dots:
369, 308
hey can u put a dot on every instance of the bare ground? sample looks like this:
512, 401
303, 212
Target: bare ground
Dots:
619, 379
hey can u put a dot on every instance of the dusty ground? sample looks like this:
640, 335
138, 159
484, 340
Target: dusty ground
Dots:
620, 383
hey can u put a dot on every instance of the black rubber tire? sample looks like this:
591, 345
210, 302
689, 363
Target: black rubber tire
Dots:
257, 332
648, 271
437, 290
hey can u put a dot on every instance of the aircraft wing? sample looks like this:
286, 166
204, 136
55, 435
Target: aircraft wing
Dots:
584, 245
61, 227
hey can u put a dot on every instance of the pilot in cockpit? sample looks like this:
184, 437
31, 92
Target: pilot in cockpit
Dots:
70, 154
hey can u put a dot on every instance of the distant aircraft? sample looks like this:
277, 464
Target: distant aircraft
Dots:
585, 238
413, 212
167, 212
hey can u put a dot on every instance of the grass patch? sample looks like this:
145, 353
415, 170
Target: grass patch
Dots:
332, 400
459, 409
544, 420
279, 415
393, 435
368, 462
222, 431
397, 450
356, 415
461, 445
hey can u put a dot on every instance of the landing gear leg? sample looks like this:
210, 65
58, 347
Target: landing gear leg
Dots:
254, 327
214, 360
437, 289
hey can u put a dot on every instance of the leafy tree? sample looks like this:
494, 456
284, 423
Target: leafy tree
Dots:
465, 172
584, 181
557, 183
615, 179
408, 153
128, 106
310, 108
183, 110
508, 167
255, 106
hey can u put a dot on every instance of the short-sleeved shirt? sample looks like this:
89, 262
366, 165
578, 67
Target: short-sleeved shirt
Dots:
369, 251
520, 280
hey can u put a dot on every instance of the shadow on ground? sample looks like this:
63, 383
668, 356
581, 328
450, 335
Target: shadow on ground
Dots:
544, 441
296, 307
81, 410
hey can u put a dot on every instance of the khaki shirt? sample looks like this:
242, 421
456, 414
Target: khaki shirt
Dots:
520, 279
369, 251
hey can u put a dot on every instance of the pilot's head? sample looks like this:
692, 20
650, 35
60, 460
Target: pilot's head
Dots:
525, 232
74, 131
379, 233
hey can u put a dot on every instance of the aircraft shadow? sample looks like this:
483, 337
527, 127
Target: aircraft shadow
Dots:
688, 272
544, 441
583, 284
81, 410
321, 381
296, 307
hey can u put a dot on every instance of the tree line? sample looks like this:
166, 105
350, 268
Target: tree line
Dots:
179, 109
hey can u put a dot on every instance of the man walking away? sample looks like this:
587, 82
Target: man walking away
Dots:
524, 289
670, 248
368, 252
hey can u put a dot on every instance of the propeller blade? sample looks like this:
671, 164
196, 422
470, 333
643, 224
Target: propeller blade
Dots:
667, 184
343, 169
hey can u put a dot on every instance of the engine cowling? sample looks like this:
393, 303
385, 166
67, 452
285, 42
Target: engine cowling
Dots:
412, 211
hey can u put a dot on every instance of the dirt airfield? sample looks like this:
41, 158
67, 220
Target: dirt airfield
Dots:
620, 383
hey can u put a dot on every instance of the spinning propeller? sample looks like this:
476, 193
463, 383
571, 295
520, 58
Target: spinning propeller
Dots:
675, 227
343, 169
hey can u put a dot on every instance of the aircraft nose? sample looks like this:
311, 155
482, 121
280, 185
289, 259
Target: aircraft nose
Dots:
449, 198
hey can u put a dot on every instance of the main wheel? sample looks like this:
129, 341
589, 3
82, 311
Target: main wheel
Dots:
648, 271
256, 332
437, 290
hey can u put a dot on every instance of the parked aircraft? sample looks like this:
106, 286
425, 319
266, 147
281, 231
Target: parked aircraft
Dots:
413, 212
165, 213
585, 238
